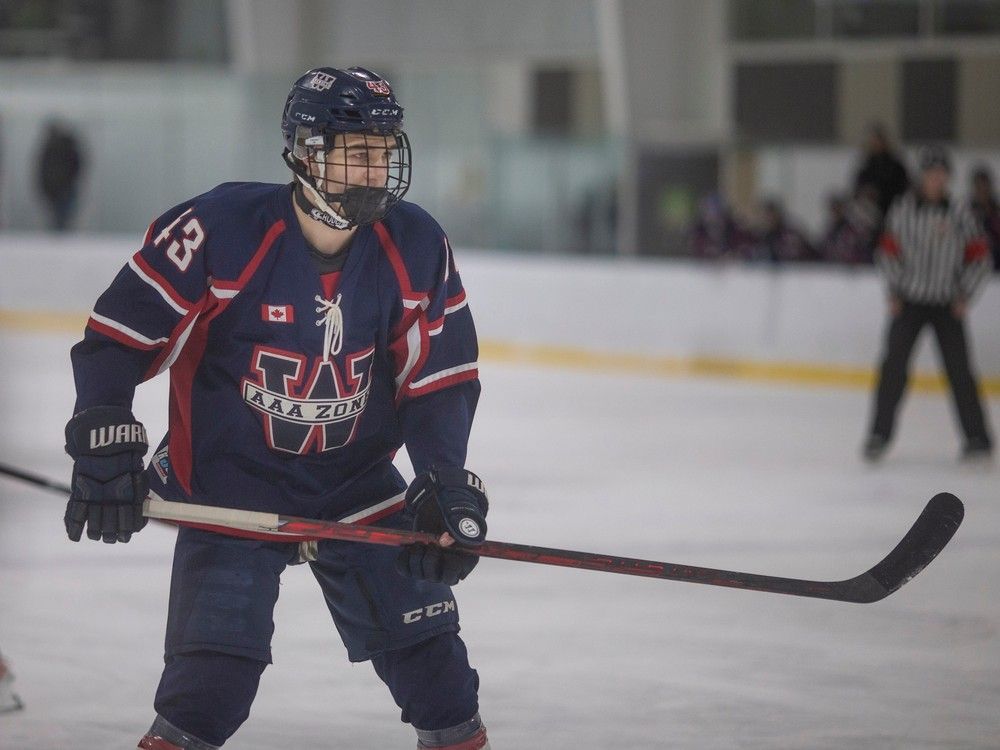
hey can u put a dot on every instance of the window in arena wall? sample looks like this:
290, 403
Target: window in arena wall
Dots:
786, 102
967, 17
110, 30
929, 100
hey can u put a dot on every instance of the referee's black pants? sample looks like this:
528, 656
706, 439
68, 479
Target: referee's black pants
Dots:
950, 333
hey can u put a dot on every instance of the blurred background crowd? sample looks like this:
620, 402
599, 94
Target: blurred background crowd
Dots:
853, 223
772, 131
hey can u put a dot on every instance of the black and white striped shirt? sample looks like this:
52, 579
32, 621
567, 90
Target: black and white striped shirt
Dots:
933, 253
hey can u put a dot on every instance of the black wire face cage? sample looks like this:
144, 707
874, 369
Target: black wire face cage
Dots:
360, 176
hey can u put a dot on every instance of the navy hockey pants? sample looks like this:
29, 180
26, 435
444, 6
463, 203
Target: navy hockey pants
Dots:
219, 628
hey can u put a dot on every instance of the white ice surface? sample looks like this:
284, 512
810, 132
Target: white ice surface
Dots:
716, 473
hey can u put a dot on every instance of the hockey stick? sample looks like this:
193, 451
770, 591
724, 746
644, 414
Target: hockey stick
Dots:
35, 479
926, 538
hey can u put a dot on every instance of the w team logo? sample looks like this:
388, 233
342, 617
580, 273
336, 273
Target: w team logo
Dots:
321, 82
308, 412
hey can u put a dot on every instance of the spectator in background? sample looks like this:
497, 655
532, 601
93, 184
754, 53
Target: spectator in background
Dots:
779, 241
59, 165
848, 236
881, 169
934, 256
984, 206
9, 701
716, 234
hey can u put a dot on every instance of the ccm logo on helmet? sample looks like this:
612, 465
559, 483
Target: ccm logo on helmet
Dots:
385, 112
431, 610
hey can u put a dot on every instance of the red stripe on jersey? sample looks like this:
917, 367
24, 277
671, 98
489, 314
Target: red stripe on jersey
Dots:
182, 374
330, 282
889, 245
458, 299
976, 250
120, 337
410, 314
451, 380
406, 322
175, 335
183, 371
258, 257
161, 281
395, 257
425, 350
398, 347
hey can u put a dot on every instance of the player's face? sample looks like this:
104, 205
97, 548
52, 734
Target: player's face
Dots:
356, 160
934, 182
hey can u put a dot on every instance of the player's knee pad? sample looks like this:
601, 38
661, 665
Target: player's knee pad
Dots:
469, 735
431, 682
207, 694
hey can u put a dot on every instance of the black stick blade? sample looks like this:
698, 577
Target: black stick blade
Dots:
932, 530
926, 538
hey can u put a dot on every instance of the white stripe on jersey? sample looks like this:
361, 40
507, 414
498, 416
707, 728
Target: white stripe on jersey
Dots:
443, 374
457, 306
412, 304
122, 328
223, 293
439, 325
159, 289
412, 353
447, 260
176, 351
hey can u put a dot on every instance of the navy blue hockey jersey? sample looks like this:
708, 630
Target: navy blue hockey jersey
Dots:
288, 394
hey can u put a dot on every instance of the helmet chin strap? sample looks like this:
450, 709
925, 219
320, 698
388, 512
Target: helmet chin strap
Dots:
322, 213
319, 210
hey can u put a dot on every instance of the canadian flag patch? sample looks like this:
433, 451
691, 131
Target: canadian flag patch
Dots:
277, 313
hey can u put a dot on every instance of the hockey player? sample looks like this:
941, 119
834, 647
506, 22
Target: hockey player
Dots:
310, 330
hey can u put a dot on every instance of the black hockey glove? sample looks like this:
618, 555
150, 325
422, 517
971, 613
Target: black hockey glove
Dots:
445, 500
107, 445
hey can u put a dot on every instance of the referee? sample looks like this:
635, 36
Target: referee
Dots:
934, 257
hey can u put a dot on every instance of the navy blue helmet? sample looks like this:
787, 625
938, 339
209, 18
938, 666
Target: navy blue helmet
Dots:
324, 107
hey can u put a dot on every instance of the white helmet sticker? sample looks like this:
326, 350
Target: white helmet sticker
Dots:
321, 82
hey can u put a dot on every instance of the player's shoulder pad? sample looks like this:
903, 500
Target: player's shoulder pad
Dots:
234, 217
422, 243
